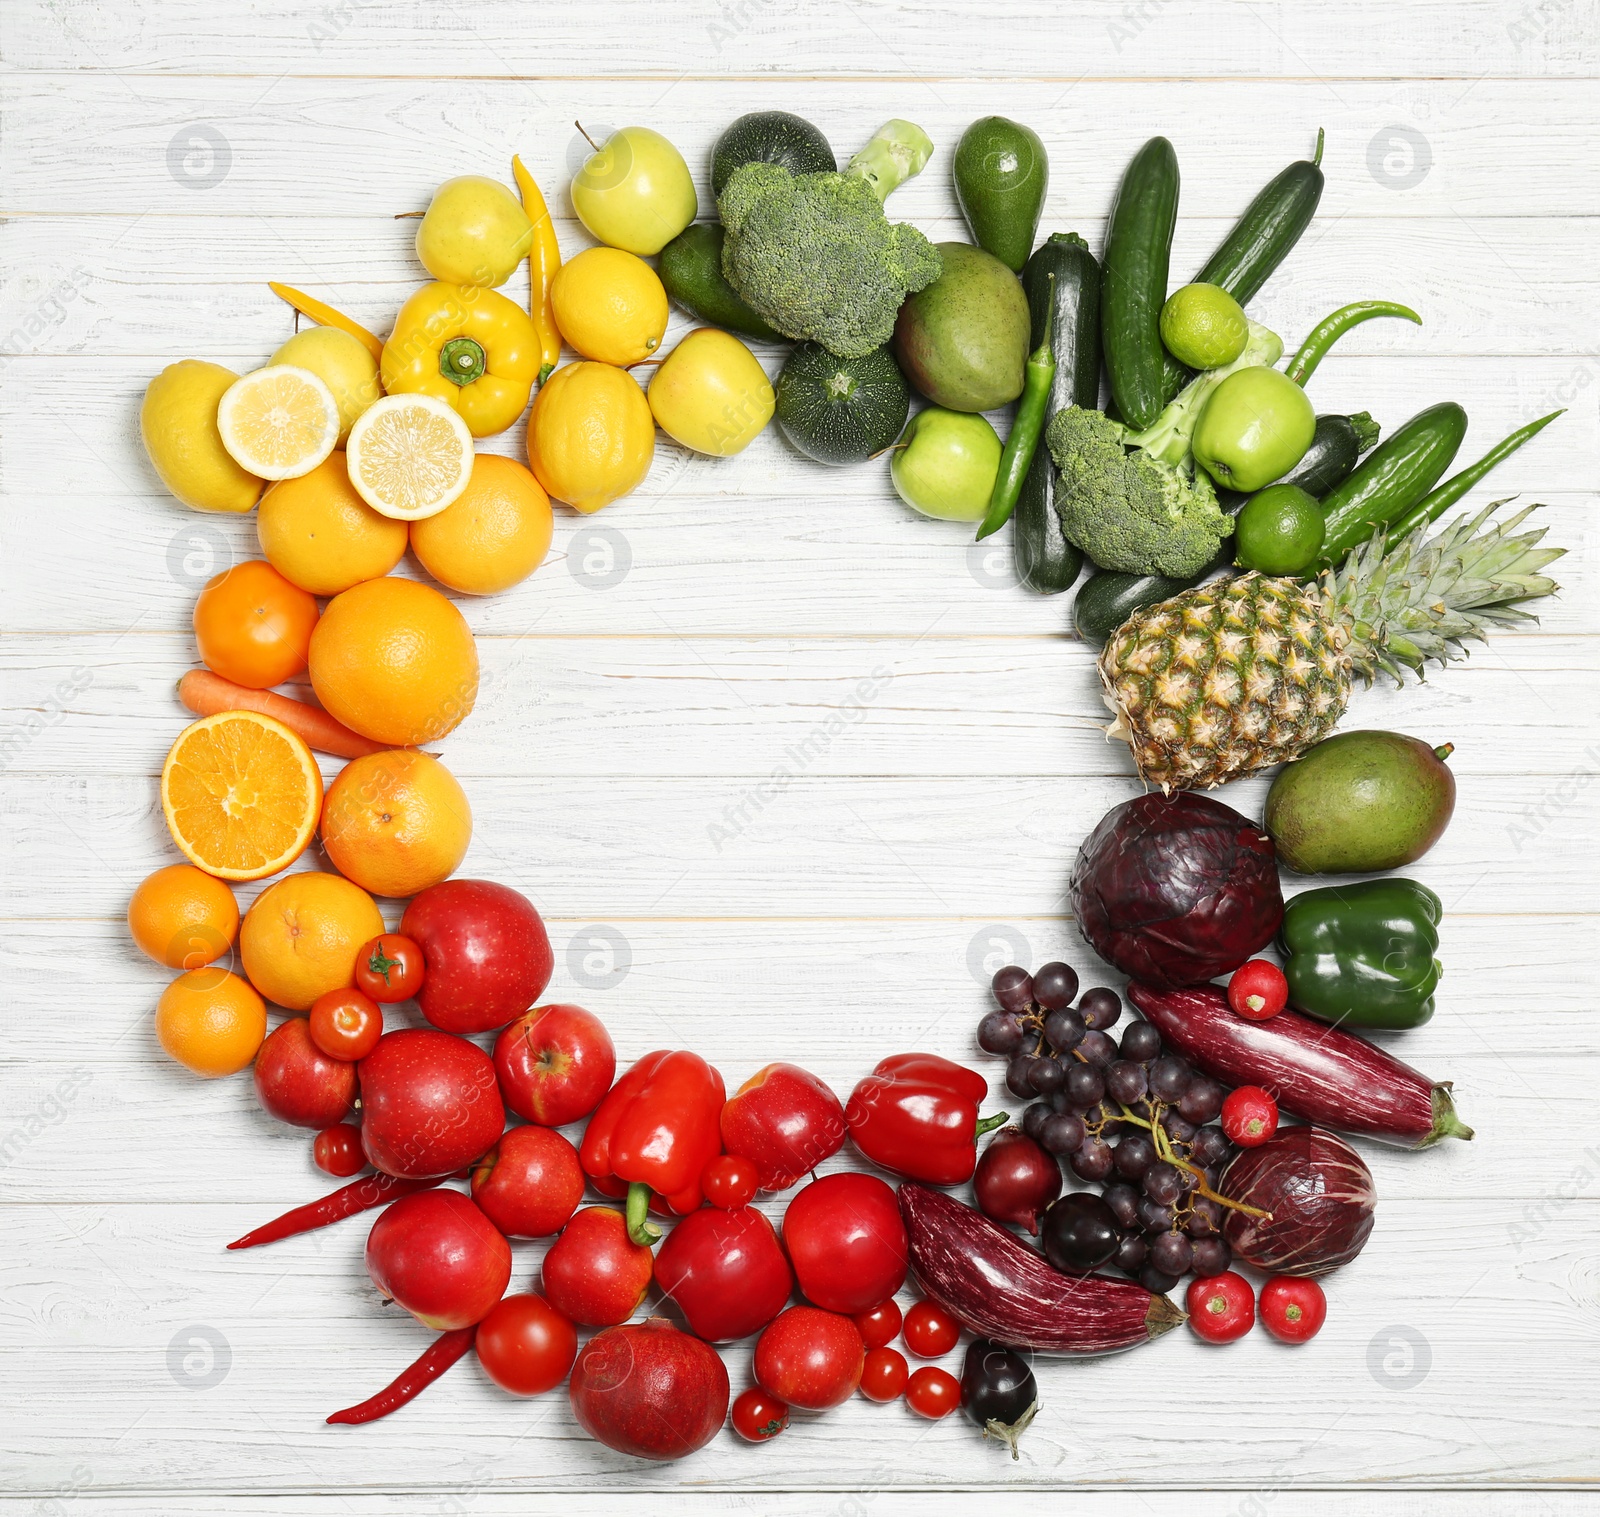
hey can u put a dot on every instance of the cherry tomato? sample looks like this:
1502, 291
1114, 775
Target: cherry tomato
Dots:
345, 1024
337, 1151
809, 1358
526, 1346
389, 968
930, 1331
933, 1392
1249, 1116
729, 1181
884, 1374
1293, 1309
253, 626
881, 1325
1258, 990
758, 1416
1221, 1308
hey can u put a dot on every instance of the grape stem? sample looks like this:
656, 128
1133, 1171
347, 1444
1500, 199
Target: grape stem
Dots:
1172, 1156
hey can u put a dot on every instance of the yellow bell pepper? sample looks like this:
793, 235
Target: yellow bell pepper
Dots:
471, 348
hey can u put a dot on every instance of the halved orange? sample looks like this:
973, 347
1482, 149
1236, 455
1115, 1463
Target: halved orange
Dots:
241, 794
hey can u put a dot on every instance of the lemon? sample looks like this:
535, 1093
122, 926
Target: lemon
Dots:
475, 232
178, 422
590, 435
1203, 326
341, 362
711, 394
610, 306
279, 422
409, 456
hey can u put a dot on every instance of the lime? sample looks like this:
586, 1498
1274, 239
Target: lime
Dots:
1203, 326
1279, 530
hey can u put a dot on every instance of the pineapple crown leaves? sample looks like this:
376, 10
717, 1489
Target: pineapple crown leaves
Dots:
1414, 601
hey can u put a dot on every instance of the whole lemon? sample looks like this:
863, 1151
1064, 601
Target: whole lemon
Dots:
590, 435
341, 362
711, 394
178, 423
319, 534
475, 232
610, 306
491, 536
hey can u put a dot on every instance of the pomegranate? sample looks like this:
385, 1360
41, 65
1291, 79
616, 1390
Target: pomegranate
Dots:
650, 1390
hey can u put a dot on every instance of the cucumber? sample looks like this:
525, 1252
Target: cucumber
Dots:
1271, 225
770, 137
1392, 478
1336, 446
1138, 253
1046, 562
691, 272
841, 410
1106, 600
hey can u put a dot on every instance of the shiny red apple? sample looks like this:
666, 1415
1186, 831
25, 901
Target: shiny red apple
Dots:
429, 1103
438, 1256
298, 1083
726, 1272
530, 1183
785, 1121
488, 956
555, 1063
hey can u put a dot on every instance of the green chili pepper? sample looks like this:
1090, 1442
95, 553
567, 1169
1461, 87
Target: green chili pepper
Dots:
1331, 328
1026, 430
1363, 955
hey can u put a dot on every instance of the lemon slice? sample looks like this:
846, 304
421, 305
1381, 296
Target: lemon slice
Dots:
279, 422
409, 456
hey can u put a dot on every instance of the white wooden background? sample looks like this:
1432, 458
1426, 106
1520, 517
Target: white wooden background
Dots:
160, 162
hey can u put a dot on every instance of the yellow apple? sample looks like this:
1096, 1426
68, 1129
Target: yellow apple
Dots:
635, 191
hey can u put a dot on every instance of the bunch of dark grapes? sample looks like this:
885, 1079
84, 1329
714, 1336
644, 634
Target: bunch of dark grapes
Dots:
1138, 1122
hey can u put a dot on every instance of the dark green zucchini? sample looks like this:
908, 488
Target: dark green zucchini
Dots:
1046, 562
1271, 225
1336, 447
770, 137
841, 410
1106, 600
691, 273
1137, 256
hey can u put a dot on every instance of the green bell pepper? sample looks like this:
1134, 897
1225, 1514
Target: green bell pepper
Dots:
1363, 955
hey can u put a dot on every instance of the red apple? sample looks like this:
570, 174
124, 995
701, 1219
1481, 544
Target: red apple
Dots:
299, 1083
529, 1184
429, 1103
726, 1272
847, 1243
487, 954
649, 1389
596, 1273
554, 1063
438, 1256
785, 1121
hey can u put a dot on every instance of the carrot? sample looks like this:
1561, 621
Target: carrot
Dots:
208, 694
325, 316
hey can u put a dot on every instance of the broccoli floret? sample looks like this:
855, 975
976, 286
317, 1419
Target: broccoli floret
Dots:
1129, 510
814, 253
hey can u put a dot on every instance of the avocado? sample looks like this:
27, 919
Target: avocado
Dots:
1361, 801
963, 341
1001, 174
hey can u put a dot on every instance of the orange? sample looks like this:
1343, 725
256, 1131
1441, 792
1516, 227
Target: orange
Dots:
241, 794
395, 661
210, 1021
301, 937
183, 917
253, 626
590, 435
396, 822
493, 535
320, 535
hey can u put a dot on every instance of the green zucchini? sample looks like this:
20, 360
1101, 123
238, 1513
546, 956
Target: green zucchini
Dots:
1271, 225
1046, 562
1137, 256
1336, 447
841, 410
770, 137
691, 273
1106, 600
1392, 478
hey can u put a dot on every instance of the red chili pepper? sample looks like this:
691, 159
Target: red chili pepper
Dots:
656, 1129
359, 1196
917, 1114
415, 1378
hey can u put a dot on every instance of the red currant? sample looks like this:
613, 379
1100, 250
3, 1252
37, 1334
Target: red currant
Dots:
1258, 990
881, 1325
758, 1416
1293, 1309
1249, 1116
1222, 1308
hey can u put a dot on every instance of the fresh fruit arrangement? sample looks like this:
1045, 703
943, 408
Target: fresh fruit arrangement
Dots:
1206, 1138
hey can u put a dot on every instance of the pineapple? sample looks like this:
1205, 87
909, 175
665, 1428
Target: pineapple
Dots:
1240, 674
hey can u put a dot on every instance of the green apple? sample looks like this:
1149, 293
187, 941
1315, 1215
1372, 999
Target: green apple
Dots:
1255, 427
945, 463
635, 191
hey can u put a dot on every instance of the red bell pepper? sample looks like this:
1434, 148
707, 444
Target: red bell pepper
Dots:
655, 1130
917, 1114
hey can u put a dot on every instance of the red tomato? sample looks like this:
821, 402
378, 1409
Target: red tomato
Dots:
337, 1151
526, 1346
933, 1392
931, 1332
729, 1181
846, 1242
390, 968
726, 1272
1293, 1309
346, 1024
253, 626
809, 1358
881, 1325
1221, 1308
758, 1416
595, 1272
883, 1374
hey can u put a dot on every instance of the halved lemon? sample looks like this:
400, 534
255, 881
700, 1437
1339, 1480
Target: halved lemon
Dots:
409, 456
241, 794
279, 422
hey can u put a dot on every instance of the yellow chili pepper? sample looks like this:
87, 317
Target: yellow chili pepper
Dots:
469, 347
544, 258
326, 316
